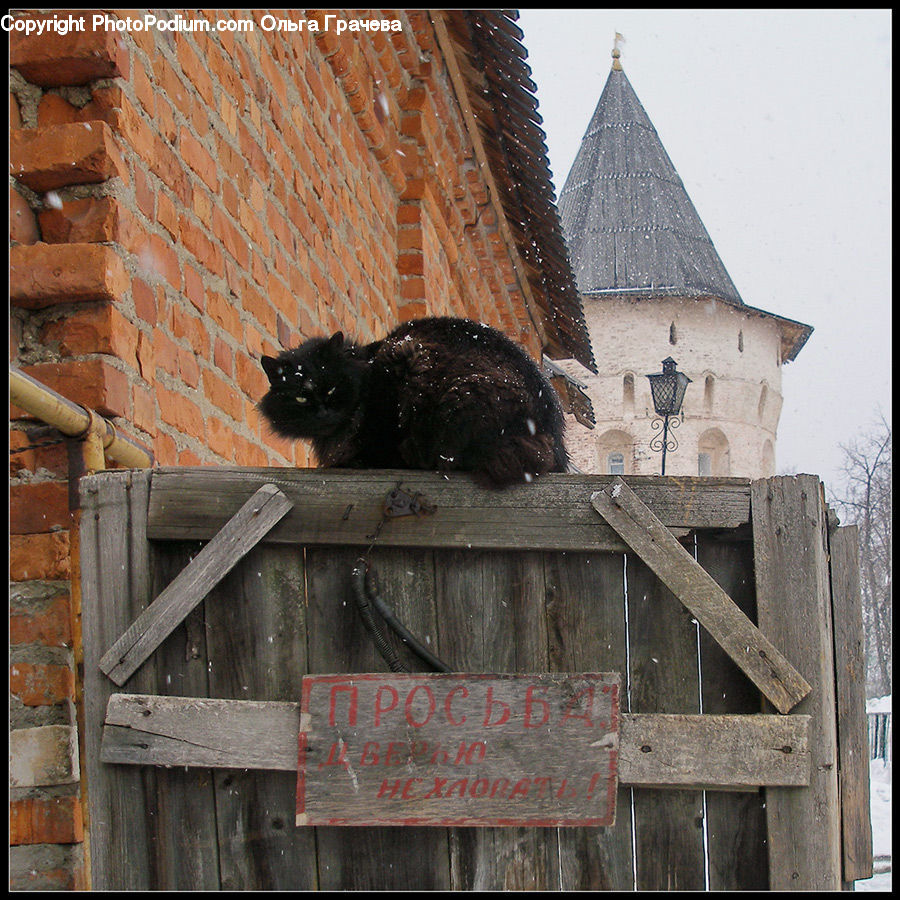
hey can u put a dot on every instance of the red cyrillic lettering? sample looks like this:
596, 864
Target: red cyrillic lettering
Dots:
341, 760
586, 716
480, 788
379, 709
407, 788
465, 693
386, 790
458, 785
364, 760
390, 759
499, 787
467, 754
530, 700
409, 702
523, 786
504, 716
351, 711
566, 792
436, 790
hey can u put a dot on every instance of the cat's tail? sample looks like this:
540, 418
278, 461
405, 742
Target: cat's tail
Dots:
520, 460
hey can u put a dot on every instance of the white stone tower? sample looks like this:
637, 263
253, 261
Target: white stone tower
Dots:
653, 287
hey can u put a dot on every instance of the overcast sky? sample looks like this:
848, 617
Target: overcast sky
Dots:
779, 124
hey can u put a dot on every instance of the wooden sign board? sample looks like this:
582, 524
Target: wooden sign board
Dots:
458, 749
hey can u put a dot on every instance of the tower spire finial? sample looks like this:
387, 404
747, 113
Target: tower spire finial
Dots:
616, 52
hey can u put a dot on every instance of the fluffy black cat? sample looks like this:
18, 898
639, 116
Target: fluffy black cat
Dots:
436, 393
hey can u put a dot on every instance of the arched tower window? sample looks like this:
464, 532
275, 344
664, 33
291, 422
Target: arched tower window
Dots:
615, 452
741, 341
763, 399
673, 334
709, 389
713, 453
628, 394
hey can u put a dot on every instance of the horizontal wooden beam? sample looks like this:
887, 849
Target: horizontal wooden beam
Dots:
744, 643
719, 752
335, 506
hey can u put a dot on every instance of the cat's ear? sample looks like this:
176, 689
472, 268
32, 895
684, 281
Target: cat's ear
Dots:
270, 367
336, 340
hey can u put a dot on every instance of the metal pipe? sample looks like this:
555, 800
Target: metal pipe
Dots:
74, 420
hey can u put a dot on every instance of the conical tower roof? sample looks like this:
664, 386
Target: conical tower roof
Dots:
630, 226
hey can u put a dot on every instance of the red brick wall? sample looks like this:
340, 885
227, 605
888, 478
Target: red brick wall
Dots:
183, 202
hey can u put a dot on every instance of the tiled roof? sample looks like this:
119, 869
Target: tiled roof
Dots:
501, 93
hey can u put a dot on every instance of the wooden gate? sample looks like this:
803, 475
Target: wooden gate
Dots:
718, 788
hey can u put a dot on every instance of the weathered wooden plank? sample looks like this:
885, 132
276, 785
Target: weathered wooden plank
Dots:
846, 605
334, 506
794, 607
663, 678
409, 858
730, 628
714, 751
196, 731
256, 646
719, 751
586, 630
183, 809
735, 822
243, 531
490, 613
115, 583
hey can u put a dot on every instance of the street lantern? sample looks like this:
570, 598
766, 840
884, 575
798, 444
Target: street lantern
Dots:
668, 389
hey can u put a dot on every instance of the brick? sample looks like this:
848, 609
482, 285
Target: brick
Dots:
39, 557
53, 458
144, 401
165, 452
223, 357
23, 228
57, 820
43, 756
180, 412
144, 300
38, 507
55, 110
46, 621
15, 114
86, 221
188, 368
60, 155
222, 395
47, 867
98, 329
52, 60
221, 438
224, 313
44, 274
198, 158
93, 383
41, 684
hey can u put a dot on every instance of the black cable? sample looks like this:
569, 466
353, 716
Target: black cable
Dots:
384, 648
401, 631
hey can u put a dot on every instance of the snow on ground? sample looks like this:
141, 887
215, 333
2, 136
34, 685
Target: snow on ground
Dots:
880, 779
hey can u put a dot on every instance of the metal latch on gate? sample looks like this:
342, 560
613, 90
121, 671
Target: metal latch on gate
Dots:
400, 503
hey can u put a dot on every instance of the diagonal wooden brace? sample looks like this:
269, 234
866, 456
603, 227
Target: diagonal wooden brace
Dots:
744, 643
246, 528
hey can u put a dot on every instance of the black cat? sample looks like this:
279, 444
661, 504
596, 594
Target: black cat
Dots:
436, 393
